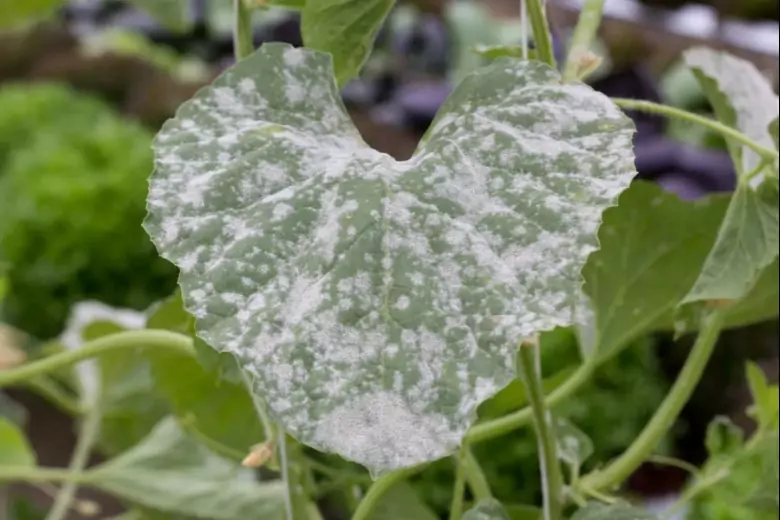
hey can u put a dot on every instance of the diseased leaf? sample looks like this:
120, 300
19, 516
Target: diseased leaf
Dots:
173, 14
223, 411
488, 509
574, 447
344, 28
14, 13
14, 448
169, 471
599, 511
378, 303
741, 97
652, 246
402, 502
747, 243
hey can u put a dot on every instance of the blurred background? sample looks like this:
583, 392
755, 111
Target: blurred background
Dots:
83, 92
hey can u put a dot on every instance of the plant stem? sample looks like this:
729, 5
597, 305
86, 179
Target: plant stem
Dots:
88, 435
508, 423
666, 415
587, 26
381, 486
541, 31
475, 477
129, 339
550, 468
48, 389
716, 126
243, 39
456, 509
35, 474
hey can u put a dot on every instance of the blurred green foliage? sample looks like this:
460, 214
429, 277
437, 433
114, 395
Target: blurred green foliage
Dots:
72, 190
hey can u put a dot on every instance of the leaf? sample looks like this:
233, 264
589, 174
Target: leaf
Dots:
774, 131
723, 438
741, 97
522, 512
598, 511
344, 28
15, 13
652, 246
488, 509
766, 398
173, 14
14, 448
574, 447
121, 379
747, 243
378, 303
761, 303
402, 502
493, 52
223, 411
171, 472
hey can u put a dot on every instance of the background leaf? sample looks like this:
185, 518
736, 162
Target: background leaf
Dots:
169, 471
741, 96
344, 28
489, 509
222, 410
14, 448
15, 13
348, 283
173, 14
574, 447
598, 511
402, 502
766, 398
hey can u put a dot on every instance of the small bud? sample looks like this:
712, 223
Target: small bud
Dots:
587, 64
259, 455
87, 508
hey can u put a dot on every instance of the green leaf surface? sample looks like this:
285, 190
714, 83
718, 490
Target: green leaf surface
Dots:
173, 14
402, 502
222, 410
523, 512
599, 511
169, 471
344, 28
766, 398
14, 448
741, 97
378, 303
723, 438
652, 246
15, 13
574, 446
746, 245
488, 509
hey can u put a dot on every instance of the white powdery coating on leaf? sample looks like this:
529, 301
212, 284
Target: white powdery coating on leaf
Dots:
750, 94
378, 303
383, 428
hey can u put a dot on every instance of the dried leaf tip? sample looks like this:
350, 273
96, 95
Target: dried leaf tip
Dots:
259, 456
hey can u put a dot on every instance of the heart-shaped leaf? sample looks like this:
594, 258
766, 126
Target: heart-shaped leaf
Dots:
378, 303
741, 97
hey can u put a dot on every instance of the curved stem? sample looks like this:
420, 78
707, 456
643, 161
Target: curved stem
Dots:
375, 493
711, 124
667, 413
584, 33
508, 423
456, 509
541, 31
129, 339
475, 477
90, 428
49, 390
549, 466
243, 39
35, 474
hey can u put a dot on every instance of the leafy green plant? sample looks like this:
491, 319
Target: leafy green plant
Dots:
72, 180
364, 308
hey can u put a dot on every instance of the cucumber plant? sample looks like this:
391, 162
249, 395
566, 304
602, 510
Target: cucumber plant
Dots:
342, 315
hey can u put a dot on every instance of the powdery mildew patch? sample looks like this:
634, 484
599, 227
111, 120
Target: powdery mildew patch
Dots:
377, 303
